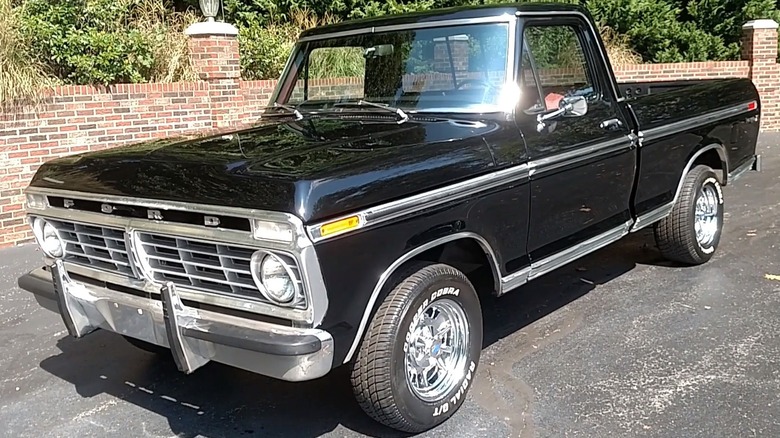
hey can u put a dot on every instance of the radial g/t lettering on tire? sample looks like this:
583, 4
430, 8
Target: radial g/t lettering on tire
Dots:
420, 352
691, 232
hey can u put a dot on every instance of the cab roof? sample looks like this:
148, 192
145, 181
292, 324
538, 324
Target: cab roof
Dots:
445, 14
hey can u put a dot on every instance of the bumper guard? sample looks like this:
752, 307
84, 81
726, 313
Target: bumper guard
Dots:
194, 336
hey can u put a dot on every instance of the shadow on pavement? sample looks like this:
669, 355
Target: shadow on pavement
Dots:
220, 401
507, 314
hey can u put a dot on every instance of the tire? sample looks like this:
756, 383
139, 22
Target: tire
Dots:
147, 346
682, 237
379, 370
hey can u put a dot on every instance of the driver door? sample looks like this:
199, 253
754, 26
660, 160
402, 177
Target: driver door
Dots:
582, 166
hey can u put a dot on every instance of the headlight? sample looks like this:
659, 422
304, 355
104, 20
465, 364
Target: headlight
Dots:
48, 238
276, 280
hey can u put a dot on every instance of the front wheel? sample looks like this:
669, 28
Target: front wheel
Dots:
419, 355
691, 232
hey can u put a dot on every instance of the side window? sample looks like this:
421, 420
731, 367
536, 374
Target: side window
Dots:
557, 55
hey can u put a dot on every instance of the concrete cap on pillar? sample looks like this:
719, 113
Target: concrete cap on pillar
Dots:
205, 28
760, 24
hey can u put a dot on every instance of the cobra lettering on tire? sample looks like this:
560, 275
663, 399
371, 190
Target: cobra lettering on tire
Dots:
420, 352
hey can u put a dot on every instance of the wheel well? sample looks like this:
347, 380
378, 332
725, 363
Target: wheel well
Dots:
468, 256
712, 159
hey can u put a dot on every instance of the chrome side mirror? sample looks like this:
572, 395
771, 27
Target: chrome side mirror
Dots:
574, 106
571, 106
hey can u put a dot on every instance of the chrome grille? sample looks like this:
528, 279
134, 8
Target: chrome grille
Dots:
196, 264
94, 246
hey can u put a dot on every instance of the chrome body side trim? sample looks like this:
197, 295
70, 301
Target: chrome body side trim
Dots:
652, 216
514, 280
392, 210
301, 249
661, 212
406, 257
580, 154
170, 323
502, 18
739, 171
506, 283
700, 120
569, 255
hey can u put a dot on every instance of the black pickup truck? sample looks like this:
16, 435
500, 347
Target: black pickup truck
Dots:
403, 160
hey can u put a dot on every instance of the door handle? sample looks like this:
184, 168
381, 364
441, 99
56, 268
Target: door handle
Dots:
611, 124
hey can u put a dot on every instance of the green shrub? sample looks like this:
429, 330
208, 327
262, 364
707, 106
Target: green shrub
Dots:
112, 41
635, 30
681, 30
163, 29
266, 45
265, 49
107, 41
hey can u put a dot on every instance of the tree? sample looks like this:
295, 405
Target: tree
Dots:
659, 30
682, 30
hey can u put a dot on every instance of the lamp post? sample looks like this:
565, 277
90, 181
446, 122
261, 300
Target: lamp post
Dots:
210, 8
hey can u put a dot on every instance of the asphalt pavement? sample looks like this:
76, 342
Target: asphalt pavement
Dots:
618, 344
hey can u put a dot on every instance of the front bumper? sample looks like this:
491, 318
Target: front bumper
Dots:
195, 336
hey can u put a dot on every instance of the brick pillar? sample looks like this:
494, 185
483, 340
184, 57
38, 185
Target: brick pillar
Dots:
759, 46
214, 54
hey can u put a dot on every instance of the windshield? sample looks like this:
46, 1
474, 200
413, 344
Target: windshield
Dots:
456, 68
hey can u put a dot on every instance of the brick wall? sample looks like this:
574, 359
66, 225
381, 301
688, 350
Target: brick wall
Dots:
78, 119
759, 47
654, 72
256, 95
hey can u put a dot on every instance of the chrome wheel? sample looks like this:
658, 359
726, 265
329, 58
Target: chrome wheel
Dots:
706, 221
438, 347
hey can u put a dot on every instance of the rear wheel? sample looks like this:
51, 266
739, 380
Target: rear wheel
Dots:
421, 350
691, 232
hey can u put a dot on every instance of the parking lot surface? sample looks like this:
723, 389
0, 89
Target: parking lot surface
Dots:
620, 343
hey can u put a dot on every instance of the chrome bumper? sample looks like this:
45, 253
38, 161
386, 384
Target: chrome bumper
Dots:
195, 336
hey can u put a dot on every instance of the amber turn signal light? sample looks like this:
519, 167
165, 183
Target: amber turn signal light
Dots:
345, 224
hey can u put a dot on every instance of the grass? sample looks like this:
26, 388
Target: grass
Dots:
618, 48
164, 29
23, 80
328, 62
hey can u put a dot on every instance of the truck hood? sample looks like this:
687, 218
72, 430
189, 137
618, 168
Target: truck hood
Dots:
313, 168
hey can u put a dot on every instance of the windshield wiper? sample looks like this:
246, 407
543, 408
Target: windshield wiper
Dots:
292, 109
364, 103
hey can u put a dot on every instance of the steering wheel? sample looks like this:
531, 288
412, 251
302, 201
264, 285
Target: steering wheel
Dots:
485, 84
